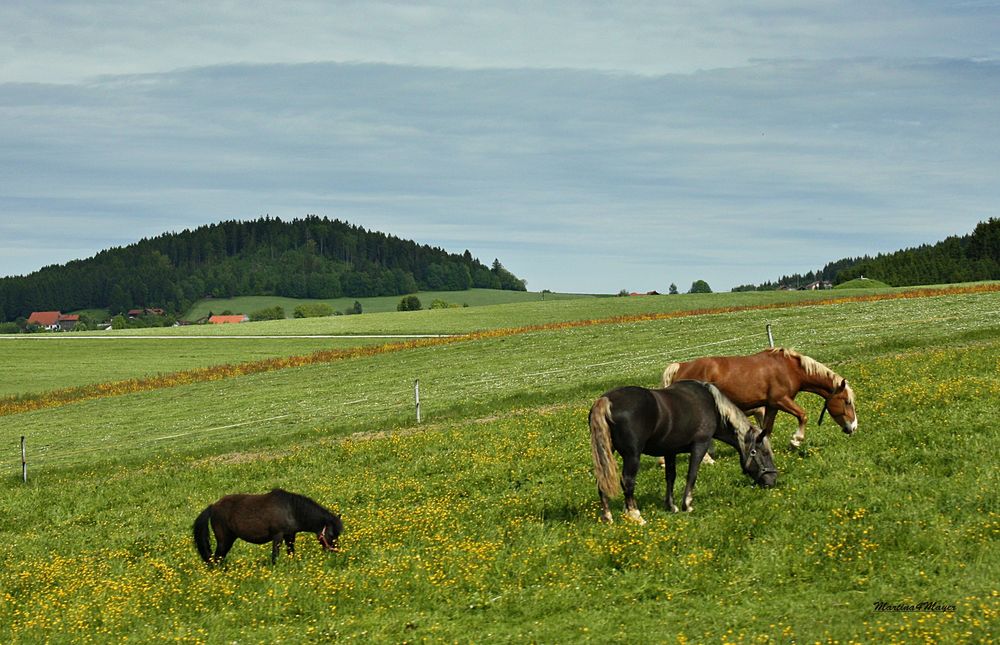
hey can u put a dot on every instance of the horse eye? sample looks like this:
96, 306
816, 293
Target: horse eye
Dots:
753, 453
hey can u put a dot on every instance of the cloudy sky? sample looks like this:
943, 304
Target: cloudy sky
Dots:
590, 146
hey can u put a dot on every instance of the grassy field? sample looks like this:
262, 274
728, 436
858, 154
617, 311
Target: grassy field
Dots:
471, 297
34, 365
480, 524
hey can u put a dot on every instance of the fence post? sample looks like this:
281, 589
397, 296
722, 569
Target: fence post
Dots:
416, 397
770, 338
24, 462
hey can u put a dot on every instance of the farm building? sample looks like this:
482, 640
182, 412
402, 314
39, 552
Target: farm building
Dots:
53, 320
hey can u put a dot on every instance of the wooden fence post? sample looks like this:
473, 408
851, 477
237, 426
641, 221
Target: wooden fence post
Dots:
416, 397
24, 462
770, 338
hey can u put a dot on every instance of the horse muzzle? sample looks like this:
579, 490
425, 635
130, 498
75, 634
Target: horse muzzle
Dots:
768, 479
328, 543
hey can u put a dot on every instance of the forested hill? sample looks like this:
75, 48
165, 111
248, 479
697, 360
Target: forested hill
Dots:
304, 258
956, 259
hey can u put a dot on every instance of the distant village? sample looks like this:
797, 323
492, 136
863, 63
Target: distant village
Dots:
58, 321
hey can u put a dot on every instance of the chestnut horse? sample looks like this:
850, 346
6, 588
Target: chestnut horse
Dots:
681, 418
766, 382
273, 517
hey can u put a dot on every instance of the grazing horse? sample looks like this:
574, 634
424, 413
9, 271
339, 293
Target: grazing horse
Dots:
273, 517
681, 418
766, 382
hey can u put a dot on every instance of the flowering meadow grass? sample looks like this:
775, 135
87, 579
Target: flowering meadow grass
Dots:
480, 524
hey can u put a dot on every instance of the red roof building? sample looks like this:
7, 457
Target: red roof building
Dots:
46, 319
53, 320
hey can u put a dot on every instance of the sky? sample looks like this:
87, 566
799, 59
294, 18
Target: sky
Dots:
590, 146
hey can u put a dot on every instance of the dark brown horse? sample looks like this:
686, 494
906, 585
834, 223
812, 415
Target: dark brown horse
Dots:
684, 417
764, 383
273, 517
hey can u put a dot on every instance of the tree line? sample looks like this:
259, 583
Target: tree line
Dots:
303, 258
965, 258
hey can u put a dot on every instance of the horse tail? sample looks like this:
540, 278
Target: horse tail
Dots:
729, 412
605, 466
201, 541
669, 373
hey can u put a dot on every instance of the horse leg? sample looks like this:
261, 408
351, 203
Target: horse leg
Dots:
275, 546
605, 507
709, 456
290, 543
630, 468
697, 454
223, 542
786, 404
670, 468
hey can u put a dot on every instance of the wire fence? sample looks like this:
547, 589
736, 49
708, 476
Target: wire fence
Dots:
395, 400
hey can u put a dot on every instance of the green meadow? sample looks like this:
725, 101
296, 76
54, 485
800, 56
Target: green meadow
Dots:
378, 304
479, 524
36, 363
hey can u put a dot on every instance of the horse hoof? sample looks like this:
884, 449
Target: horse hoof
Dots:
607, 519
673, 508
634, 517
707, 459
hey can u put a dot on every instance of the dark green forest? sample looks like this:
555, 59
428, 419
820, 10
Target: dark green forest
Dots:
956, 259
304, 258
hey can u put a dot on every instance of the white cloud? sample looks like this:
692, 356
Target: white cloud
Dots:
505, 131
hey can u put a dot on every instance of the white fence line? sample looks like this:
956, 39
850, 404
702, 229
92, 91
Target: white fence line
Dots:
403, 401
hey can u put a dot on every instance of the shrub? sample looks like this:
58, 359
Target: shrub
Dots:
276, 312
313, 310
409, 303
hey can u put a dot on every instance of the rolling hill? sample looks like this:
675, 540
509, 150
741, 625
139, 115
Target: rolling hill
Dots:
304, 258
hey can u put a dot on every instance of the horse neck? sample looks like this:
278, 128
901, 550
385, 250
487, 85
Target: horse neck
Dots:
309, 515
818, 383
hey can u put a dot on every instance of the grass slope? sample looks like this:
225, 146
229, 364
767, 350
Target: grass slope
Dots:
39, 362
470, 297
480, 524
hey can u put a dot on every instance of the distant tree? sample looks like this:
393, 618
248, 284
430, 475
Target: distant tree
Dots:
270, 313
119, 322
673, 289
119, 300
313, 310
623, 293
409, 303
700, 286
357, 307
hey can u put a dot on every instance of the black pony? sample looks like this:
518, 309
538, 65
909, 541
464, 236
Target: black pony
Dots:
681, 418
273, 517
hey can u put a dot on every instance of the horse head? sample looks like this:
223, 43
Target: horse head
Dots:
840, 404
329, 533
758, 462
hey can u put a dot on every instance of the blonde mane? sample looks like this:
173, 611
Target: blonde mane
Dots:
812, 367
736, 417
